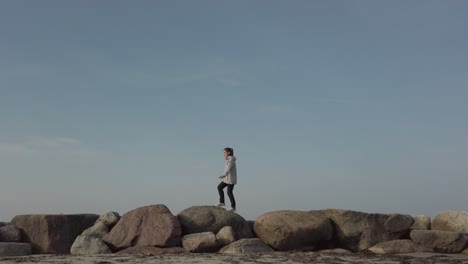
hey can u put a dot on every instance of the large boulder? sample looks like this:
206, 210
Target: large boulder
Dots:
10, 233
88, 245
421, 222
289, 230
52, 234
357, 231
456, 221
398, 247
246, 245
14, 249
198, 219
200, 242
440, 241
152, 225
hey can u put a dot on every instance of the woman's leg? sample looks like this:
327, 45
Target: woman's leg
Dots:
221, 186
231, 195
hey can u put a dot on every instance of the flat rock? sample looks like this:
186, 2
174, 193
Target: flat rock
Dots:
247, 245
398, 246
440, 241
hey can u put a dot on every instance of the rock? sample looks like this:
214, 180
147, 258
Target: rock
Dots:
151, 250
110, 219
421, 222
89, 245
465, 251
226, 236
335, 251
440, 241
246, 245
198, 219
10, 233
456, 221
2, 224
357, 231
398, 247
289, 230
99, 230
200, 242
14, 249
52, 234
251, 225
152, 225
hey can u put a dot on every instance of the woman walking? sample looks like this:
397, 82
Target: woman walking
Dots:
229, 179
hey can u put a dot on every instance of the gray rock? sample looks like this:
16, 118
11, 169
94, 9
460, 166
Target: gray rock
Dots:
246, 245
358, 231
89, 245
293, 230
421, 222
456, 221
15, 249
152, 225
10, 233
52, 234
226, 236
440, 241
99, 230
198, 219
200, 242
110, 219
398, 247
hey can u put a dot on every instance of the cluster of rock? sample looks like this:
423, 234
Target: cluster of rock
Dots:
154, 230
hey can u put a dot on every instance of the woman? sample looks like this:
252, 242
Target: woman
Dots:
229, 179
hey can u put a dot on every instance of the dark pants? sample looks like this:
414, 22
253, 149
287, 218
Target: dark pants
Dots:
223, 185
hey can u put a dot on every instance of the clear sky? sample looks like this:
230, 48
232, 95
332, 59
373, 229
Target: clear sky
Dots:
113, 105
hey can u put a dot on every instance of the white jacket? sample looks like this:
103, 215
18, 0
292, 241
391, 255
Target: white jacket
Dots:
230, 170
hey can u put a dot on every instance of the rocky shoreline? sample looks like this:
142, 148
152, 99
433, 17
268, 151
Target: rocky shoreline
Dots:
211, 234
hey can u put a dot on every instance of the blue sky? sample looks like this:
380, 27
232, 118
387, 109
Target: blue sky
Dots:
113, 105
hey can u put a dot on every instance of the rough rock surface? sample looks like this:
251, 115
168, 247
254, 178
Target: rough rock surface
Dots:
52, 234
89, 245
152, 225
357, 231
246, 245
440, 241
293, 230
198, 219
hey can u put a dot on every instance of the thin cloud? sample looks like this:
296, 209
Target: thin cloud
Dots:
14, 149
35, 145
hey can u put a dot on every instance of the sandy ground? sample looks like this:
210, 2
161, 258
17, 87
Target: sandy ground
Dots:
266, 258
